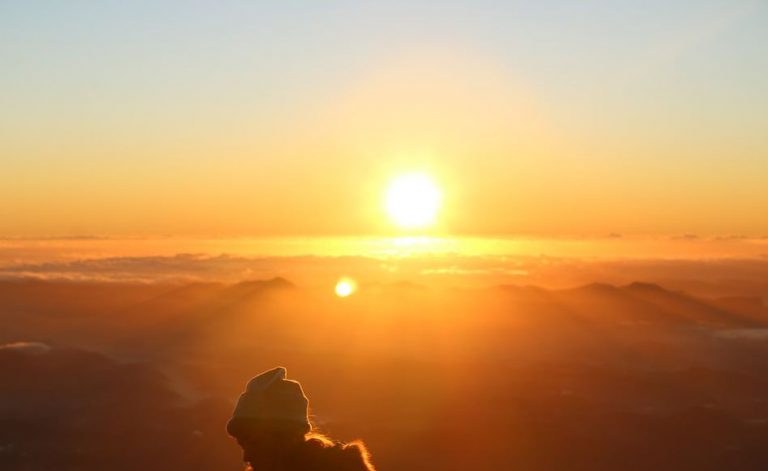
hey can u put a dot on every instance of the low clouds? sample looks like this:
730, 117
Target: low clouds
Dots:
177, 268
30, 348
708, 277
743, 334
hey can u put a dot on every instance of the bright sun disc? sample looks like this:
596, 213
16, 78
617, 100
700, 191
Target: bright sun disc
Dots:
345, 287
413, 200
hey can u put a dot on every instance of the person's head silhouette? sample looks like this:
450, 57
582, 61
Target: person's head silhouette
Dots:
271, 424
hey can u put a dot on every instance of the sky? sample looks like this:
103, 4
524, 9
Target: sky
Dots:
268, 119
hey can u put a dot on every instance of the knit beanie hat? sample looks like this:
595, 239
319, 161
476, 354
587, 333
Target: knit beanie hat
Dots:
269, 396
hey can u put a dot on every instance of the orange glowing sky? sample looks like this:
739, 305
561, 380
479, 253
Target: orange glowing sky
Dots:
552, 119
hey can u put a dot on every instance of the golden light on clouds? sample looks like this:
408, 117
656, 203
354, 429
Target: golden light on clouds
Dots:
413, 201
345, 287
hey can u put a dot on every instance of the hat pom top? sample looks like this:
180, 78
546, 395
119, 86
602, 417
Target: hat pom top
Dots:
263, 381
271, 397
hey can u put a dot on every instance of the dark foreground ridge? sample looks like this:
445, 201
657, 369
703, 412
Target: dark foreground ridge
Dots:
633, 377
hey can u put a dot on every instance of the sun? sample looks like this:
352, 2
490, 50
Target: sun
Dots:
413, 200
345, 287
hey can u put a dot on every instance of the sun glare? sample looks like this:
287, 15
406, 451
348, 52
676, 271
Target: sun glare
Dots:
345, 287
413, 201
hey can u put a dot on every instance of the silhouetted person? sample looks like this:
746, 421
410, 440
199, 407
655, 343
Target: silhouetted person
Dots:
271, 425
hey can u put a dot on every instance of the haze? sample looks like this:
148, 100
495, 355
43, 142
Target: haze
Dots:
483, 235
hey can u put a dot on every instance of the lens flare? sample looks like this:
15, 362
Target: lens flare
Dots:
345, 287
